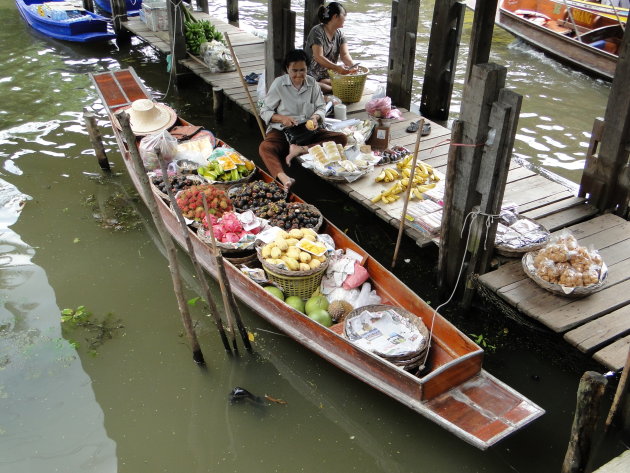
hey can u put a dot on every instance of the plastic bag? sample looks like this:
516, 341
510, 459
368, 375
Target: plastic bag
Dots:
261, 89
382, 108
379, 93
217, 57
164, 142
367, 296
359, 277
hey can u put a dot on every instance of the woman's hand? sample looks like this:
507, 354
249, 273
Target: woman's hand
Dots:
286, 120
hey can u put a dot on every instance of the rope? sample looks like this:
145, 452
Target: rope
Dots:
463, 145
473, 215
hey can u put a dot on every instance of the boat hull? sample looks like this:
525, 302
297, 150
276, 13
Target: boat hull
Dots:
133, 6
456, 393
93, 28
569, 50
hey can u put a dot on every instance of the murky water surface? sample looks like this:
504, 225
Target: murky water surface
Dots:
137, 403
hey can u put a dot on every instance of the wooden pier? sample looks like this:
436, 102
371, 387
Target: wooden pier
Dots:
553, 203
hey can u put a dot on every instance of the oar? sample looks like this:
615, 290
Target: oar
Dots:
401, 227
171, 251
231, 308
249, 96
214, 312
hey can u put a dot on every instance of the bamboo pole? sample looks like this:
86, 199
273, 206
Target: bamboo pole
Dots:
96, 139
244, 84
408, 191
171, 252
214, 311
570, 15
231, 307
620, 394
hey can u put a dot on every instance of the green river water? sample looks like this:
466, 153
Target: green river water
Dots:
139, 404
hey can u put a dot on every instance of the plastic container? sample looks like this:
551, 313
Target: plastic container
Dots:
154, 15
340, 111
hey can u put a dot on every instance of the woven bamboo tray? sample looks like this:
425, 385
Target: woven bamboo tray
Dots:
572, 292
192, 177
228, 185
225, 247
409, 361
511, 252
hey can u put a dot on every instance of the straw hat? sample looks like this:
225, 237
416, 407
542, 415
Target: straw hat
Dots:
147, 117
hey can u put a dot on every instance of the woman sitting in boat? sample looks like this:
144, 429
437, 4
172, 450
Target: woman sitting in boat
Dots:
326, 44
292, 99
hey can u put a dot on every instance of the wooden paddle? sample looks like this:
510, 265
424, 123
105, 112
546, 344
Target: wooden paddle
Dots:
408, 191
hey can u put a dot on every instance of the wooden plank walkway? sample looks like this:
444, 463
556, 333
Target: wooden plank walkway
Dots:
552, 203
621, 464
598, 325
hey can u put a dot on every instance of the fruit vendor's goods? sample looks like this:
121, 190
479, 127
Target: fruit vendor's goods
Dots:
339, 309
424, 179
565, 262
256, 194
289, 215
198, 32
178, 183
190, 201
275, 291
395, 153
230, 167
296, 302
234, 228
284, 251
322, 317
316, 303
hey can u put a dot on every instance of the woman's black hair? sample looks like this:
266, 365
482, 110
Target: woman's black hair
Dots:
295, 55
326, 12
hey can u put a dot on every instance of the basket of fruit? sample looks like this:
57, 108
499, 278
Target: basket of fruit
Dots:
295, 261
255, 194
233, 232
190, 202
228, 170
179, 182
291, 215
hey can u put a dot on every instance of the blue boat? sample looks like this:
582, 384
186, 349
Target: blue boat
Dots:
133, 6
65, 20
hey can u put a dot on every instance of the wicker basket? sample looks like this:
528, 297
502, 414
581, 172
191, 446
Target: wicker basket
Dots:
225, 248
409, 362
573, 292
349, 88
193, 177
245, 257
511, 252
227, 185
293, 283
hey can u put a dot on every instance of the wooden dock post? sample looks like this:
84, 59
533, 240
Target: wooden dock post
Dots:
88, 5
477, 173
402, 51
310, 16
621, 394
606, 178
441, 64
203, 5
176, 35
218, 99
590, 392
280, 38
119, 14
96, 139
481, 34
232, 12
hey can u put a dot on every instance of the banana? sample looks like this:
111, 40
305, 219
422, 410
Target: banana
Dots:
381, 176
405, 181
417, 193
406, 172
376, 198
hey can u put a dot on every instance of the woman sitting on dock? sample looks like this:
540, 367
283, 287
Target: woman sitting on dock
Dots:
292, 99
326, 44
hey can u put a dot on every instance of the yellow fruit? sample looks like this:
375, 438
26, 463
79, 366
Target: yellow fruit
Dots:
296, 233
309, 231
314, 263
304, 267
293, 252
292, 241
321, 258
291, 263
270, 260
276, 252
266, 251
281, 243
282, 234
305, 257
310, 125
309, 237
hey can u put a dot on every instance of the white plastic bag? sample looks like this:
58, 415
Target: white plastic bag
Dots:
217, 57
162, 141
261, 90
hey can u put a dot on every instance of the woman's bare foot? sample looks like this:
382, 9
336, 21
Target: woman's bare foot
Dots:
295, 150
285, 180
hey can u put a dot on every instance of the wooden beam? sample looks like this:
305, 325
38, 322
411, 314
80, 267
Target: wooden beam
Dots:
439, 72
119, 14
402, 51
481, 34
280, 38
176, 35
232, 12
310, 17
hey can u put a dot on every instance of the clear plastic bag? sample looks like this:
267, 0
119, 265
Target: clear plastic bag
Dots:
261, 89
217, 57
162, 141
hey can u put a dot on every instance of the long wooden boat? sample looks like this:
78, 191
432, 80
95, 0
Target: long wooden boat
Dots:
603, 9
51, 19
455, 392
133, 6
579, 37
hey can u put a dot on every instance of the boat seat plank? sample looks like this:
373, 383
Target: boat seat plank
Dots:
600, 332
614, 355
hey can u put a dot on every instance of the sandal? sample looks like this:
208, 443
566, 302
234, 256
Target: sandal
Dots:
252, 78
413, 127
